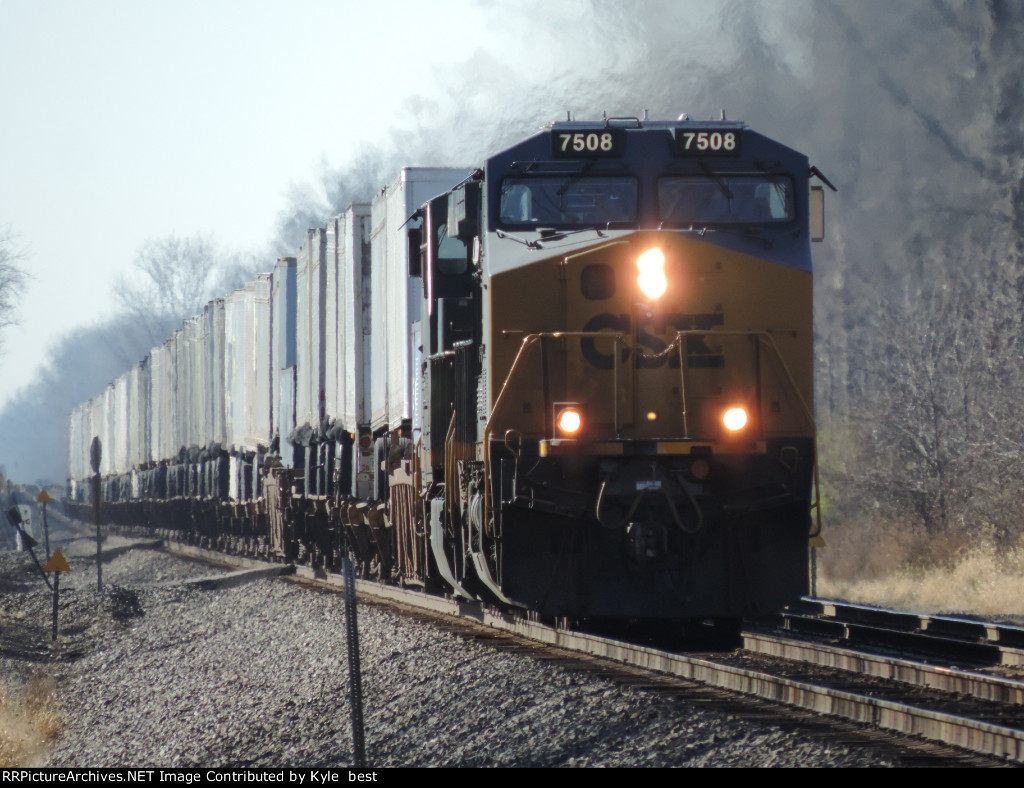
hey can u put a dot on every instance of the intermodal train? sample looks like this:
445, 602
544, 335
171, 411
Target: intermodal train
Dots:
576, 381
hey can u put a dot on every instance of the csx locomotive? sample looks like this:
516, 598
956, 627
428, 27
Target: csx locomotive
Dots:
576, 381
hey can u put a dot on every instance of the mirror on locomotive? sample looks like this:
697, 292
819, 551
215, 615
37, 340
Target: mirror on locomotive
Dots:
817, 213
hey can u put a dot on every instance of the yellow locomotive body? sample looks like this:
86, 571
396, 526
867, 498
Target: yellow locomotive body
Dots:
653, 497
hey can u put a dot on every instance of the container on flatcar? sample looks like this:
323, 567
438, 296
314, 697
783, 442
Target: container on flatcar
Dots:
119, 433
247, 362
102, 413
311, 327
79, 426
395, 296
213, 326
192, 382
138, 409
283, 355
349, 328
247, 365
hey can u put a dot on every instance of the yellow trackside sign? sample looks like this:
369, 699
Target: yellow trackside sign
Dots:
57, 563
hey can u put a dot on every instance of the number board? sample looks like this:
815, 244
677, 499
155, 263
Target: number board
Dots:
708, 142
588, 143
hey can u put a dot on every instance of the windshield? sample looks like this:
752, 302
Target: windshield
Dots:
568, 201
725, 199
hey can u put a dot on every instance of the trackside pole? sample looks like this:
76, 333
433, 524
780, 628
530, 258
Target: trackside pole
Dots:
57, 564
354, 676
56, 598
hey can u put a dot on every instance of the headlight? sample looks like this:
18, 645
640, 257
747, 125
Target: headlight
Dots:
569, 421
652, 280
735, 419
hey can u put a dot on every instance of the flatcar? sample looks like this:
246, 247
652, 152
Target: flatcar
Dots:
576, 380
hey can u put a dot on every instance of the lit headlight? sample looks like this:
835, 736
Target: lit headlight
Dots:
652, 280
569, 422
735, 419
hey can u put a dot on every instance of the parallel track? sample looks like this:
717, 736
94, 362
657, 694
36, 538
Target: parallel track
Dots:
971, 641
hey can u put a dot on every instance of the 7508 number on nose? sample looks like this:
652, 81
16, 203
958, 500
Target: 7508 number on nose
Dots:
707, 143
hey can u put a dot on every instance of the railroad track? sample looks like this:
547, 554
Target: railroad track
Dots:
939, 714
970, 641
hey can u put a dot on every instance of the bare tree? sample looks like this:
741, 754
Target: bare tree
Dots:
173, 278
234, 270
12, 278
920, 337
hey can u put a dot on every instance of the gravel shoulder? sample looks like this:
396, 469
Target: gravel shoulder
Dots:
153, 673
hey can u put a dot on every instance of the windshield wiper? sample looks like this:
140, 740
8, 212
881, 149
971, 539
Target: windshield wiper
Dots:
750, 233
550, 234
518, 240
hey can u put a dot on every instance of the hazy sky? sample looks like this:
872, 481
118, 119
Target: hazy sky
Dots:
126, 120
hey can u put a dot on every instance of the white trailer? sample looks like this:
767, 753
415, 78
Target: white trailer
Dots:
395, 295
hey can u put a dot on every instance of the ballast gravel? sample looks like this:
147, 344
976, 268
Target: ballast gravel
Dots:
153, 673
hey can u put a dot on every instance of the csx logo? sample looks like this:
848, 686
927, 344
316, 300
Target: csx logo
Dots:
650, 331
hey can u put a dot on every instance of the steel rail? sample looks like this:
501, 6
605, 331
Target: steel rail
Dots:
969, 734
988, 642
947, 626
919, 674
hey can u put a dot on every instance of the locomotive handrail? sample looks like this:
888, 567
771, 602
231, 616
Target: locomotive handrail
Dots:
593, 249
677, 345
528, 340
808, 414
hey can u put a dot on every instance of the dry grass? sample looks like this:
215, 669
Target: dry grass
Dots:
29, 718
899, 566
